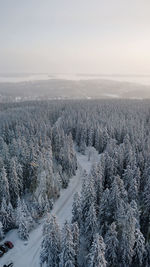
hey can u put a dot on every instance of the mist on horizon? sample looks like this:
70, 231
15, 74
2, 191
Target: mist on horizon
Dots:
65, 36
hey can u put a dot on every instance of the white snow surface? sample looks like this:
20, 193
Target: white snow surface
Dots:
26, 254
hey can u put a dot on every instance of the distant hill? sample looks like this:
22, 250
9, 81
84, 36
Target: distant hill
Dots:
69, 89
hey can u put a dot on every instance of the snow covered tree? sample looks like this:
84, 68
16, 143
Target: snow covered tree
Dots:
90, 225
41, 194
76, 209
22, 221
4, 186
133, 190
75, 233
104, 217
29, 219
127, 240
139, 249
83, 140
146, 209
7, 216
146, 260
1, 231
90, 136
135, 211
89, 228
87, 197
67, 256
13, 183
96, 256
23, 228
19, 170
112, 246
51, 244
97, 175
11, 216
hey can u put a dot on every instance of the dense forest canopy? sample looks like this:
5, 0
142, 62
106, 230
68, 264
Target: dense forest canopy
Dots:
111, 218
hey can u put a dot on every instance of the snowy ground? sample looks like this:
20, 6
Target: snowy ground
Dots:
27, 255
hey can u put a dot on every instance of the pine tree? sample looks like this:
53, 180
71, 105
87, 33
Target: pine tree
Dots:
90, 225
104, 217
75, 233
87, 197
96, 173
145, 218
135, 211
20, 178
146, 260
4, 216
23, 228
97, 253
76, 209
22, 221
29, 219
90, 136
11, 216
67, 256
112, 246
13, 183
133, 190
127, 240
114, 199
89, 228
51, 244
1, 231
139, 249
4, 186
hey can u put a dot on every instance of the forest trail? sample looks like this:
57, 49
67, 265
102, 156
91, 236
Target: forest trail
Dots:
24, 255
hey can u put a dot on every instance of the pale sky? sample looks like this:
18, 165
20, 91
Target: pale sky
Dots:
75, 36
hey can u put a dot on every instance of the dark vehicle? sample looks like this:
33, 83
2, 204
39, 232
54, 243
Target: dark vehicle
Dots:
9, 244
3, 248
9, 265
1, 253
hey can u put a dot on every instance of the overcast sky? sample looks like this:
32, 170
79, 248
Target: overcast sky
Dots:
72, 36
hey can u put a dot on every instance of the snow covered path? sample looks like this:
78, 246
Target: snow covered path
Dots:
27, 255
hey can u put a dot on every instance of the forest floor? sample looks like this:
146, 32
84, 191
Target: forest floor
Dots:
26, 254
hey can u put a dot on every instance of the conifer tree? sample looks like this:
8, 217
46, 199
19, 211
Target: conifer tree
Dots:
97, 253
51, 244
1, 231
13, 183
75, 233
127, 240
67, 256
4, 216
112, 246
4, 186
139, 249
23, 228
76, 209
22, 221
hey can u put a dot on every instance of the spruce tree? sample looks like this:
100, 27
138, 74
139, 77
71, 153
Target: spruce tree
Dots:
4, 186
97, 253
1, 231
51, 244
139, 249
76, 209
75, 233
67, 256
112, 246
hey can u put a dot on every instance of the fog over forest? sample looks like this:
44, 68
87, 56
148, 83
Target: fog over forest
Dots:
72, 89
